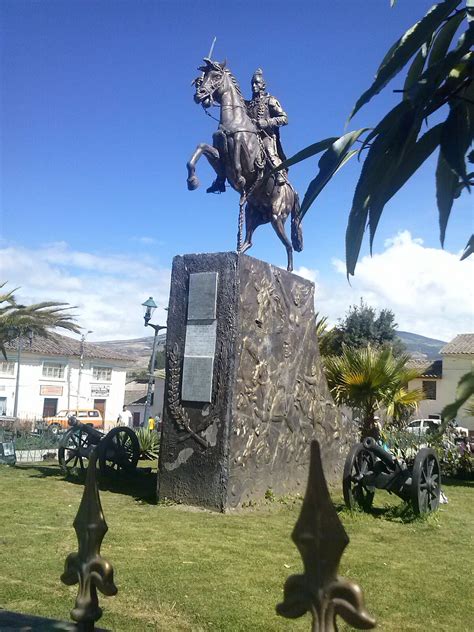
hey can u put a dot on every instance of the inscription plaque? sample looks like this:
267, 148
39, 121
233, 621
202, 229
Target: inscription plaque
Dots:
200, 345
200, 339
197, 379
202, 296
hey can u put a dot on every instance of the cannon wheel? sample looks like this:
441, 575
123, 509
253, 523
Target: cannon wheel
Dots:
425, 482
119, 450
359, 462
71, 450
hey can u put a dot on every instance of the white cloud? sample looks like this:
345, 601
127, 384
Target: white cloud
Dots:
429, 290
106, 289
307, 273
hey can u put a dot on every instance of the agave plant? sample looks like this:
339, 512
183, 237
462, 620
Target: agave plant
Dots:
149, 443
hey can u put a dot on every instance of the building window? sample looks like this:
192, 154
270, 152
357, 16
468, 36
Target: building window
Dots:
53, 370
102, 374
429, 389
7, 368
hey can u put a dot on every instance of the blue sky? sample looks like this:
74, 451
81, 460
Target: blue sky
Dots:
98, 121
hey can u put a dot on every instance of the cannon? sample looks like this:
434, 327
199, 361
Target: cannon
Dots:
117, 450
369, 466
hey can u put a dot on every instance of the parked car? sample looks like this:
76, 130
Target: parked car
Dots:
88, 416
460, 431
423, 426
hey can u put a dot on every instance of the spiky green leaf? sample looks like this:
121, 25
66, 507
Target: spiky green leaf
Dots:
415, 155
446, 185
415, 70
387, 124
444, 38
447, 77
469, 249
406, 47
455, 139
384, 156
307, 152
329, 163
464, 391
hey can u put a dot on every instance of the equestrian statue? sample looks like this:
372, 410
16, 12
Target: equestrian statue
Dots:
246, 152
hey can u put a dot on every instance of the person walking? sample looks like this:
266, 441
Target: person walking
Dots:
125, 418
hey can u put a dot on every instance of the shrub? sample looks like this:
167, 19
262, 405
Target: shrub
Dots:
149, 443
453, 463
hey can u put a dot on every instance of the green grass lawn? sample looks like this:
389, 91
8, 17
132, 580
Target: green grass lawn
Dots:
179, 568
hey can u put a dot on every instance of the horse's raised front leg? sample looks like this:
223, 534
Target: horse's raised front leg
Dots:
279, 227
212, 155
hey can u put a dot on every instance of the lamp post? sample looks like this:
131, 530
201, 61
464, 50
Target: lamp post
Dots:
19, 332
17, 381
149, 307
81, 366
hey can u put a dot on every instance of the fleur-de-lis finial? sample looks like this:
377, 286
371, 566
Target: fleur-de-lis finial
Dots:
321, 540
87, 567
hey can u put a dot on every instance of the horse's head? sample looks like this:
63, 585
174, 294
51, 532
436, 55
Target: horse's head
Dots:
209, 84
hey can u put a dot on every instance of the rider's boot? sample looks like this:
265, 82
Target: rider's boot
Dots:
218, 186
280, 176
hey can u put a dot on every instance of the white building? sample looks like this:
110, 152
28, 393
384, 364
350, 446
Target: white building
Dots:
135, 398
58, 373
440, 379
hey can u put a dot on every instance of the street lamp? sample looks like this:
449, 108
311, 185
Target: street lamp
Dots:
81, 366
19, 332
149, 307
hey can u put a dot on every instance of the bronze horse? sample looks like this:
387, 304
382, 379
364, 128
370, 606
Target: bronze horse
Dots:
238, 155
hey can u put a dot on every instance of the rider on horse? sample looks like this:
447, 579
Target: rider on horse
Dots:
267, 115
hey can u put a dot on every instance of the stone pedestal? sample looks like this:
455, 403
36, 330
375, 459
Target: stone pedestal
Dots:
245, 392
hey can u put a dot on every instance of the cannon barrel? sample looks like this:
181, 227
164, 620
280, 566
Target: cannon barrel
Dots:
371, 444
95, 435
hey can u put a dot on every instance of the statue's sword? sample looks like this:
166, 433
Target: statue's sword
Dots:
211, 50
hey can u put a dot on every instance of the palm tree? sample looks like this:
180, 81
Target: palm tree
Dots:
369, 379
324, 334
404, 402
37, 319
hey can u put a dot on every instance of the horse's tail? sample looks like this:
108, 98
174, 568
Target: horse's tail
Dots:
296, 231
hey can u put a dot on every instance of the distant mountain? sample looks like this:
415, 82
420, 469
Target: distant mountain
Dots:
139, 349
421, 347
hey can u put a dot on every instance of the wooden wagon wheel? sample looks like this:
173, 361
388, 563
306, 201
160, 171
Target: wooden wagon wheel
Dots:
359, 462
73, 452
425, 482
119, 450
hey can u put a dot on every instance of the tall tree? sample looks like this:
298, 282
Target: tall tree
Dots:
362, 326
368, 380
439, 82
38, 319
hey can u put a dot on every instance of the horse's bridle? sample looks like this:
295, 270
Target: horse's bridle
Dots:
209, 90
